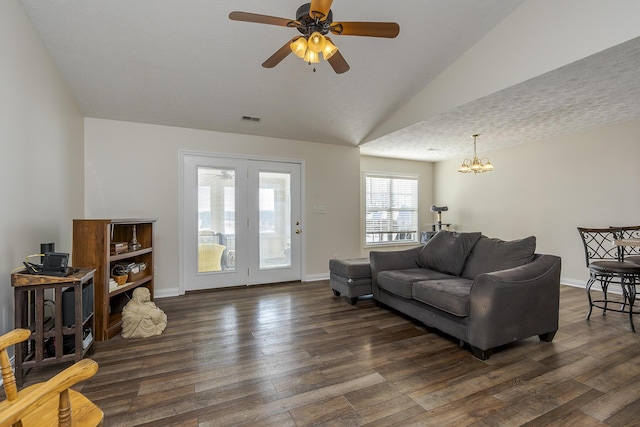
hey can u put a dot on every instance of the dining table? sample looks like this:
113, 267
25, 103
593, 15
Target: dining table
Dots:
632, 241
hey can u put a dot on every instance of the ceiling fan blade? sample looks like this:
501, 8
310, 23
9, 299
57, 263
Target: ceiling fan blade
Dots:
320, 9
368, 29
262, 19
338, 63
280, 54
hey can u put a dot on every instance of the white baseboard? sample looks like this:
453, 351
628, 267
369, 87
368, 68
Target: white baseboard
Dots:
316, 277
166, 293
174, 292
583, 283
573, 282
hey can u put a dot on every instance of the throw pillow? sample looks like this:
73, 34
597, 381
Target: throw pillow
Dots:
491, 254
447, 251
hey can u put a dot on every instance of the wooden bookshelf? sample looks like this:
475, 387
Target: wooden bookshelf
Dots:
92, 240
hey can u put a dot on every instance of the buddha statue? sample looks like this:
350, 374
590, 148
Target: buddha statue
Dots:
141, 318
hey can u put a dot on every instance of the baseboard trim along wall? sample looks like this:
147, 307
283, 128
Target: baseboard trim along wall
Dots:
615, 289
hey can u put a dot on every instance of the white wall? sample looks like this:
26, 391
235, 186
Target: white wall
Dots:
41, 163
548, 189
132, 172
424, 172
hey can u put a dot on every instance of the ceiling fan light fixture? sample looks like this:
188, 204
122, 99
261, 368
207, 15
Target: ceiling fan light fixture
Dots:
311, 57
299, 47
316, 42
314, 20
329, 49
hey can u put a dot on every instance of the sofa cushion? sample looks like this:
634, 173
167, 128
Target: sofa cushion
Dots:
447, 251
399, 282
450, 295
490, 254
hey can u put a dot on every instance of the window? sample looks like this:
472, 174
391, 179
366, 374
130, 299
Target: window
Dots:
391, 209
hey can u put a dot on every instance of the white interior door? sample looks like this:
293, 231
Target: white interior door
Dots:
241, 222
275, 222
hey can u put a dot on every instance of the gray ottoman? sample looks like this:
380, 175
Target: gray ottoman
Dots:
350, 277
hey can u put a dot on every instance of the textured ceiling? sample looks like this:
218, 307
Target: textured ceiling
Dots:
184, 63
600, 89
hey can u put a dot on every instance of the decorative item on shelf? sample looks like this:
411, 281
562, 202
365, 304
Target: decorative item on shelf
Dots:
119, 247
476, 165
136, 271
119, 274
126, 266
134, 244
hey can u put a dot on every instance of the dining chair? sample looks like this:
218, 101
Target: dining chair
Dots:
607, 265
630, 253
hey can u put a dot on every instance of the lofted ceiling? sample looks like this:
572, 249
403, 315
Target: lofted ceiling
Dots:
185, 63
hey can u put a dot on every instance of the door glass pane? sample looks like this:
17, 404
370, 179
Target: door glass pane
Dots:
216, 219
275, 219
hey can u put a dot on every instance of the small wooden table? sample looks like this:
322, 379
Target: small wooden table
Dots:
48, 335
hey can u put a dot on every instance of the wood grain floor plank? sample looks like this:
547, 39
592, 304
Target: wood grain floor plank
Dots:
565, 413
617, 400
463, 412
335, 411
292, 354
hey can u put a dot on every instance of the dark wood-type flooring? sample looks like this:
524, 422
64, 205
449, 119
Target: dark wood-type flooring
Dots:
294, 355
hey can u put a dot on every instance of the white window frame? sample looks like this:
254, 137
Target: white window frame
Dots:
391, 233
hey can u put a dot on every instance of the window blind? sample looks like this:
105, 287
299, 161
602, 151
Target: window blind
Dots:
391, 205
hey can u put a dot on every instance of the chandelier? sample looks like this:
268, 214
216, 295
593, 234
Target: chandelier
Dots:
476, 165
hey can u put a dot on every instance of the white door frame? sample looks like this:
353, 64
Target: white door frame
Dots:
181, 209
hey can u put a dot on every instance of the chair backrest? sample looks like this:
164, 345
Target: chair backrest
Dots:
51, 403
598, 244
628, 232
8, 379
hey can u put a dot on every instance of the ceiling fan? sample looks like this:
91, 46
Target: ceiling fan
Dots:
314, 21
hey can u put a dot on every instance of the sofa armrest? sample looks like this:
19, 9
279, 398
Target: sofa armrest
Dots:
513, 304
392, 260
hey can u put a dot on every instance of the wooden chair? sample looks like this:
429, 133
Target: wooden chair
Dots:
51, 403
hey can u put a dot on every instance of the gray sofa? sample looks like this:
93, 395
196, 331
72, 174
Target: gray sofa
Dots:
484, 291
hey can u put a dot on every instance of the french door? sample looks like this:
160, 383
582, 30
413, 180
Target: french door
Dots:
241, 222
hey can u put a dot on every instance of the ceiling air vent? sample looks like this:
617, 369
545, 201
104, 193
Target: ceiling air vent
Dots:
250, 119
